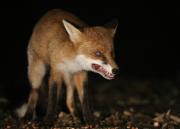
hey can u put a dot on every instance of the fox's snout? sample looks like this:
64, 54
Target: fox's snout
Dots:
107, 70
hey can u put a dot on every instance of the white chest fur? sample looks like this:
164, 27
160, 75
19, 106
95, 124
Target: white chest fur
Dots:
69, 66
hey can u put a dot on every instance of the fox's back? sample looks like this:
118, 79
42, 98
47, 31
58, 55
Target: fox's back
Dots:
50, 34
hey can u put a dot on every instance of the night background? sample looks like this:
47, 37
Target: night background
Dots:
146, 46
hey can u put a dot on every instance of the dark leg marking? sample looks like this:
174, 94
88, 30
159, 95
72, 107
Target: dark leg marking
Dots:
87, 111
52, 102
42, 102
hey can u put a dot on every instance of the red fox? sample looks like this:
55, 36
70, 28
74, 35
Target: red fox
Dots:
69, 47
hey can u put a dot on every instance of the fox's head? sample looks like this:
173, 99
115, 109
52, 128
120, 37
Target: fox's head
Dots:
94, 47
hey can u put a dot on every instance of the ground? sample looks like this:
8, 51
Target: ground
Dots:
125, 103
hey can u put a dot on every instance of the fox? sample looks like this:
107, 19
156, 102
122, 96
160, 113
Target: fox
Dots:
69, 48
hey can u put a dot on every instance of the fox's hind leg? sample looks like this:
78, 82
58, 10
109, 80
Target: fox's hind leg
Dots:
36, 72
55, 84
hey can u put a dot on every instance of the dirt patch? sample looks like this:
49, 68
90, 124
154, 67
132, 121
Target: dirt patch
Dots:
120, 104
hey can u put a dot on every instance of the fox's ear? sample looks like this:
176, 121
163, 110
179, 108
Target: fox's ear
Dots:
112, 26
74, 33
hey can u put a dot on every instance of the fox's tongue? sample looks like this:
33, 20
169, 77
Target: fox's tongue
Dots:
95, 66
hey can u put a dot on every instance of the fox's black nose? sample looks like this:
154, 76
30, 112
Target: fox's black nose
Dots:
115, 71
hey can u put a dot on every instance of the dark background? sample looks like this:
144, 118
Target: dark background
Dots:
146, 40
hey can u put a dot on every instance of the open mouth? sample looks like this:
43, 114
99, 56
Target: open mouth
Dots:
102, 71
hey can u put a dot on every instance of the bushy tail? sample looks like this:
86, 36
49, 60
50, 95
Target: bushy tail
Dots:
20, 111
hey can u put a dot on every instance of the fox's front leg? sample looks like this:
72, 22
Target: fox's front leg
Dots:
70, 94
80, 80
55, 84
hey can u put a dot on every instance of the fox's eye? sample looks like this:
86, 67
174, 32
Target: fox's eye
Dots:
98, 53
